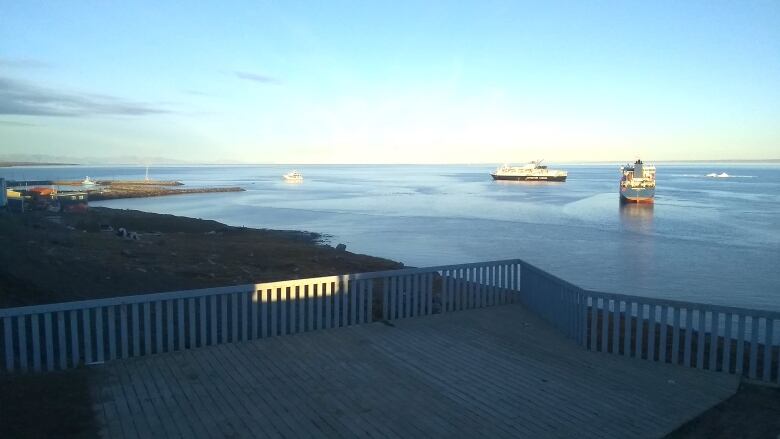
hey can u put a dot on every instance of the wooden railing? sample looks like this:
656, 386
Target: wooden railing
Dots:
717, 338
65, 335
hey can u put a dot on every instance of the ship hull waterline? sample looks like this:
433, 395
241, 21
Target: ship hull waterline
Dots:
637, 195
527, 178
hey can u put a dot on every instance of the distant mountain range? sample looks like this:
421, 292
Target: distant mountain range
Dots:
10, 164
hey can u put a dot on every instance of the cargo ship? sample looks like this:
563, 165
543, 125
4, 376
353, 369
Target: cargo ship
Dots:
637, 184
533, 171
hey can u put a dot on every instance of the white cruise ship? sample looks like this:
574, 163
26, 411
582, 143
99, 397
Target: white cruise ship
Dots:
533, 171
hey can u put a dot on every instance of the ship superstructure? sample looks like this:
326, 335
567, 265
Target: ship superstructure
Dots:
293, 176
637, 183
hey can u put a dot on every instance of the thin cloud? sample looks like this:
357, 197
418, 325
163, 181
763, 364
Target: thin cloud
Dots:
25, 99
256, 77
195, 92
23, 63
11, 123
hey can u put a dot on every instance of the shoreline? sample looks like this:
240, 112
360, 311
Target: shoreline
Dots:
32, 164
49, 258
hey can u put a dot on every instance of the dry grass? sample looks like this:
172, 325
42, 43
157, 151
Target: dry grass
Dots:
53, 405
59, 257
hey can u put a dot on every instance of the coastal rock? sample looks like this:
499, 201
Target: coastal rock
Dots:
341, 247
188, 259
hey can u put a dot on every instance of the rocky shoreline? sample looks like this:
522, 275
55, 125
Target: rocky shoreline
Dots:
47, 257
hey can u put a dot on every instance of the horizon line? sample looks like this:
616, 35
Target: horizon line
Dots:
25, 163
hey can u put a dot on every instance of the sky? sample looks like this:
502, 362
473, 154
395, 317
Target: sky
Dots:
391, 82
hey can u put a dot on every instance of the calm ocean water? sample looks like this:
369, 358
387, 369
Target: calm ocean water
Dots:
705, 239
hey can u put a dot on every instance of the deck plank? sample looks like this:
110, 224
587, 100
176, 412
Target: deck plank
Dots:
189, 401
222, 387
361, 392
272, 391
492, 372
216, 413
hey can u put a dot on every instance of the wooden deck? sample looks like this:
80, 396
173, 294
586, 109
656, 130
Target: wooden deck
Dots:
491, 372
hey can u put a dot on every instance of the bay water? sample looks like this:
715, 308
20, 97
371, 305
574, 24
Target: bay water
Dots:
712, 240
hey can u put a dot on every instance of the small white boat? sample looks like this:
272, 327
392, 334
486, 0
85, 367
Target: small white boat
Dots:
293, 176
721, 175
88, 182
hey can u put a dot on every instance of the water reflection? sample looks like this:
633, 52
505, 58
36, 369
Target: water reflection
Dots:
527, 182
637, 217
637, 250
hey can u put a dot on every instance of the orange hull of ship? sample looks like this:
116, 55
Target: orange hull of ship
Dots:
636, 201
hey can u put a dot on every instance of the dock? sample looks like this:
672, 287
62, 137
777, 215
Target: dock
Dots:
123, 183
102, 190
498, 372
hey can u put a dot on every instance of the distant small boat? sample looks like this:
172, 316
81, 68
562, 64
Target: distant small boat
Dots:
293, 176
721, 175
88, 182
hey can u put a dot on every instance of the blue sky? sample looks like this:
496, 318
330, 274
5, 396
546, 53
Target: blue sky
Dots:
398, 82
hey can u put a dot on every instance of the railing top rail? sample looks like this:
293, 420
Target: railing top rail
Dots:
400, 272
122, 300
196, 293
550, 275
775, 315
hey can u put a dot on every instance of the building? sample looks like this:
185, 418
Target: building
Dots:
73, 201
